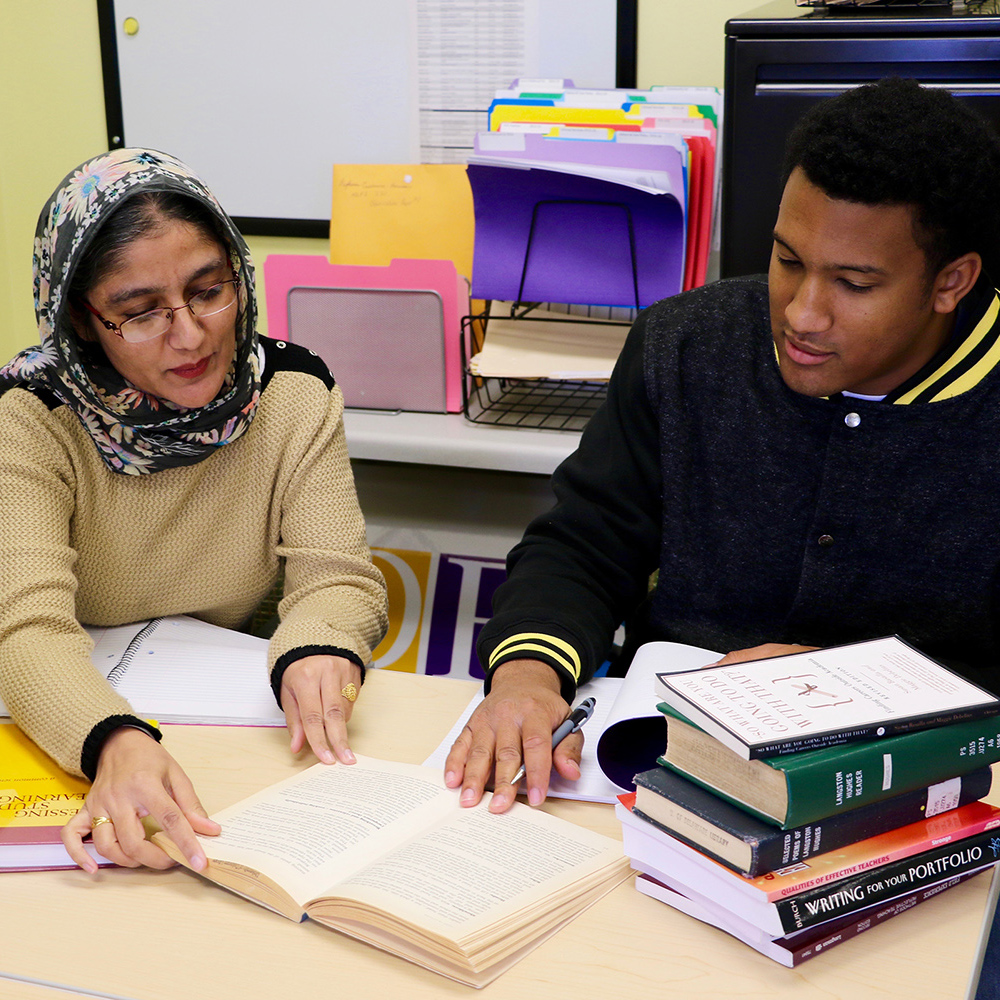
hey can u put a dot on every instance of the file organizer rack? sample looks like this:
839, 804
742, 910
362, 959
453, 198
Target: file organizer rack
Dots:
542, 403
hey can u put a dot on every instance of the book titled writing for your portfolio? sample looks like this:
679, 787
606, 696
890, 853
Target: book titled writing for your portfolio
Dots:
383, 852
697, 876
792, 949
823, 697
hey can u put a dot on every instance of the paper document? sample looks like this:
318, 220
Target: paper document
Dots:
625, 734
528, 348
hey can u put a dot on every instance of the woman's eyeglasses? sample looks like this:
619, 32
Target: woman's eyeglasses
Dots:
155, 323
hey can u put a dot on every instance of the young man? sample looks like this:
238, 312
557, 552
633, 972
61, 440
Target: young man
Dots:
810, 460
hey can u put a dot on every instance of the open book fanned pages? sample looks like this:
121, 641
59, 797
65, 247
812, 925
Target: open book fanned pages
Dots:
383, 852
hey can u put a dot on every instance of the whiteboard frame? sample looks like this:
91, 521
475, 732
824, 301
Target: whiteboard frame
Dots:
270, 223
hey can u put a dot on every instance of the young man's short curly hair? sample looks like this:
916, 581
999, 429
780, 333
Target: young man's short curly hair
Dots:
895, 142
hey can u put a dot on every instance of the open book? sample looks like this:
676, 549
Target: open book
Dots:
384, 853
180, 669
626, 733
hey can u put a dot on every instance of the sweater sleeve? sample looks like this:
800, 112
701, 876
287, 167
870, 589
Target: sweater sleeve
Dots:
582, 567
334, 599
47, 680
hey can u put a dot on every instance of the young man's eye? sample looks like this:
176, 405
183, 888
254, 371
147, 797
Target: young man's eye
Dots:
853, 287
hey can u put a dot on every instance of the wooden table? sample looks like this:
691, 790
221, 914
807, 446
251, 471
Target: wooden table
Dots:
170, 935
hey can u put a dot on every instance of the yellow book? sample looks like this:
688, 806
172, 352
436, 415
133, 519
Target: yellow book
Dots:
36, 800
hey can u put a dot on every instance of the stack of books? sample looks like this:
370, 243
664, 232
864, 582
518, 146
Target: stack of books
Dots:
594, 197
803, 799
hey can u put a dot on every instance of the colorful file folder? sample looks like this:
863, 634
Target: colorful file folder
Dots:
390, 335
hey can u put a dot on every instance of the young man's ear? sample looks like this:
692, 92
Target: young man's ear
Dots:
955, 280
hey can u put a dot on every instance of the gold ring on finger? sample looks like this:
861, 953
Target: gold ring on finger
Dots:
350, 692
98, 820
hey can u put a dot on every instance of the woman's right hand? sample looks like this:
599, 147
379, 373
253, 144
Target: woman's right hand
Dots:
136, 778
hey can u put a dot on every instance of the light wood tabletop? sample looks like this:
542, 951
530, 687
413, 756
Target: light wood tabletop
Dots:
149, 935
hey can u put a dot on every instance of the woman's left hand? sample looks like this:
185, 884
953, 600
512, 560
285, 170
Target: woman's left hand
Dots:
315, 694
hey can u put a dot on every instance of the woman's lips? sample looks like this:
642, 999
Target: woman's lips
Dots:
805, 355
192, 371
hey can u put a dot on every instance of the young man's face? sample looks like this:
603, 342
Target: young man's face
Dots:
853, 306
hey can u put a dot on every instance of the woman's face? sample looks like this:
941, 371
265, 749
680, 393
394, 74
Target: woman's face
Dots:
188, 363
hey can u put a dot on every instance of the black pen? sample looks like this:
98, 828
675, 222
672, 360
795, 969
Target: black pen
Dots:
570, 724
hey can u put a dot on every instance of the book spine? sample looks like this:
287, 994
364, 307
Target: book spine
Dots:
882, 730
866, 920
791, 846
829, 782
887, 881
780, 848
834, 832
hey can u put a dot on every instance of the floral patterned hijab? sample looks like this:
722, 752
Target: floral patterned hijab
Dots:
135, 432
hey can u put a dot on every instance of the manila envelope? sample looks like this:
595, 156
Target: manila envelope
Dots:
385, 211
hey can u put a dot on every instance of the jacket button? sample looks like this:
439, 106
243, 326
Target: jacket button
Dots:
852, 420
825, 540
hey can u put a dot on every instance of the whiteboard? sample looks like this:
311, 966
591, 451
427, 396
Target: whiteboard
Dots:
262, 97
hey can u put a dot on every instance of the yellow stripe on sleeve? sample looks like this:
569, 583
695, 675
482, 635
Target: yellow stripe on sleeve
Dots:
532, 642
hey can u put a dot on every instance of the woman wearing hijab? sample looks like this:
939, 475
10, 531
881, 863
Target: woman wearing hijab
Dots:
157, 459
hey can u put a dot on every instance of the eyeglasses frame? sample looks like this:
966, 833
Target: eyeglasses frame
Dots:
116, 329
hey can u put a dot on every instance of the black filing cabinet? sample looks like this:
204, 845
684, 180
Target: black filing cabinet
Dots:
781, 59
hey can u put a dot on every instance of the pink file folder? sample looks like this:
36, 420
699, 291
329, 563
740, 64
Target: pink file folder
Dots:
286, 273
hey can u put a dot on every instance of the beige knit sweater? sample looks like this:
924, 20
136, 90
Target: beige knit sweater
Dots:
79, 543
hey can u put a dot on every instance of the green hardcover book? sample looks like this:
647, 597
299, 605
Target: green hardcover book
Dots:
804, 787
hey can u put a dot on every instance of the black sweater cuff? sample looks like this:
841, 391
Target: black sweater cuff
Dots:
287, 659
96, 738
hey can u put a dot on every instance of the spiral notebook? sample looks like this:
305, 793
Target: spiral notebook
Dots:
180, 669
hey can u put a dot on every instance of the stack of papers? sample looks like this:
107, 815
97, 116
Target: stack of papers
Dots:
538, 348
598, 197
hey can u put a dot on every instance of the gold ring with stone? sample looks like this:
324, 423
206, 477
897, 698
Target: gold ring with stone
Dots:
350, 692
98, 820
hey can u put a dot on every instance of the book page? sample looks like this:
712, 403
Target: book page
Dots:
625, 734
309, 831
593, 786
474, 868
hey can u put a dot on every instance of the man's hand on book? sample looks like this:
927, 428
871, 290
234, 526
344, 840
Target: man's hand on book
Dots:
316, 707
760, 653
136, 778
515, 722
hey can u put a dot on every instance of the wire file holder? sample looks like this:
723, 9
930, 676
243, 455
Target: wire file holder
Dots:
543, 403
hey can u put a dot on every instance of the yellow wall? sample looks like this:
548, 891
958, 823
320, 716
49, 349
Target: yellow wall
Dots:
52, 115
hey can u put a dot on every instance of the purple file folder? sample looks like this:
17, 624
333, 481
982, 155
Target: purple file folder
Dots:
549, 236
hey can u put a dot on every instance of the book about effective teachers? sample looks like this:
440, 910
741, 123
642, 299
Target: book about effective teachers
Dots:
823, 697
